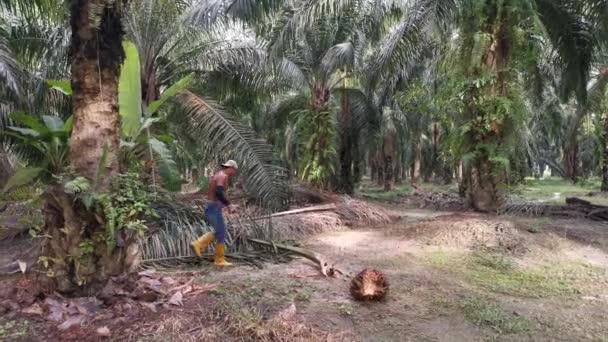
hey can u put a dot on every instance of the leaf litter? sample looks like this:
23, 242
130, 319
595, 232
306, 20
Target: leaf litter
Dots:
123, 299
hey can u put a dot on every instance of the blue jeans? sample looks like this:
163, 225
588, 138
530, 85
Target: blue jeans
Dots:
213, 212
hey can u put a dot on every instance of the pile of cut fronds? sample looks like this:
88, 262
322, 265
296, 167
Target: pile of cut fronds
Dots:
304, 225
353, 211
347, 212
178, 224
170, 235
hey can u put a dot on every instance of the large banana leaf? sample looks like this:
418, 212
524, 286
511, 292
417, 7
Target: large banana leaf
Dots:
207, 120
169, 93
129, 91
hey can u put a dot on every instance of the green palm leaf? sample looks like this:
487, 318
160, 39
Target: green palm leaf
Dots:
9, 68
229, 137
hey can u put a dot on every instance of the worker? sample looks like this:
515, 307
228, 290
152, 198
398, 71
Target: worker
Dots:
213, 212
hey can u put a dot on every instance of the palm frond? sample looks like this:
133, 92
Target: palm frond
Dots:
9, 68
402, 47
573, 39
207, 13
305, 15
596, 92
229, 137
338, 56
281, 109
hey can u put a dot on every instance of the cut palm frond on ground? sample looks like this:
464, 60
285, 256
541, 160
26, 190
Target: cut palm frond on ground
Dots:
313, 256
326, 207
574, 208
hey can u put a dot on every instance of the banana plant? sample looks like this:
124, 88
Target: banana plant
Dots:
137, 119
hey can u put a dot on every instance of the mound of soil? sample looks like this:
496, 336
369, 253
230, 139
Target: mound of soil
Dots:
472, 233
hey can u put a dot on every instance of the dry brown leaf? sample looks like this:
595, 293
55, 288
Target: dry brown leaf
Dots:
150, 306
177, 299
86, 306
147, 273
55, 308
151, 283
168, 280
103, 331
71, 321
182, 286
35, 309
187, 290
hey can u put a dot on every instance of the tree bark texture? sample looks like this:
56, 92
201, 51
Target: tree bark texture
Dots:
77, 256
6, 168
605, 155
379, 169
388, 152
78, 260
482, 187
397, 169
96, 54
571, 155
417, 167
481, 178
357, 162
346, 182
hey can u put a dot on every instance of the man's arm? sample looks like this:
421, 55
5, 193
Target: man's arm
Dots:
221, 181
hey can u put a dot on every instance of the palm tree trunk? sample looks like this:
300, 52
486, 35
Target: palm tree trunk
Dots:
346, 182
357, 162
605, 155
481, 178
397, 169
417, 167
571, 145
96, 53
6, 168
388, 161
379, 160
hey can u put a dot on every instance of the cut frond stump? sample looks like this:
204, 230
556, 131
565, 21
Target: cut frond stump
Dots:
369, 285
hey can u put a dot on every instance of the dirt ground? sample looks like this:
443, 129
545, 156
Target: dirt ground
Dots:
453, 276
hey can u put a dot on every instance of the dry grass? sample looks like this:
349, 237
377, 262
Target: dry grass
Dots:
242, 323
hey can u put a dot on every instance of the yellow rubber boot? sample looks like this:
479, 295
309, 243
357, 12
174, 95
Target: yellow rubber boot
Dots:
202, 243
220, 259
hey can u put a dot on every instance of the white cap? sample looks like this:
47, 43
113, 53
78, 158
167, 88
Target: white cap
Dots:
231, 163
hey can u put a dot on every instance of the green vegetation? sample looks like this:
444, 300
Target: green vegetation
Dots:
483, 313
11, 330
556, 190
323, 92
500, 274
376, 192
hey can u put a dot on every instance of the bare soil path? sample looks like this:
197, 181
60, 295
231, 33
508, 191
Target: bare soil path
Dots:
454, 277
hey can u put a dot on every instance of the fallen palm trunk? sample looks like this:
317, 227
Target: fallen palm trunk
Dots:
315, 257
574, 208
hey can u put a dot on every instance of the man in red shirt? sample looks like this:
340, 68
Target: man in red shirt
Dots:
213, 212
